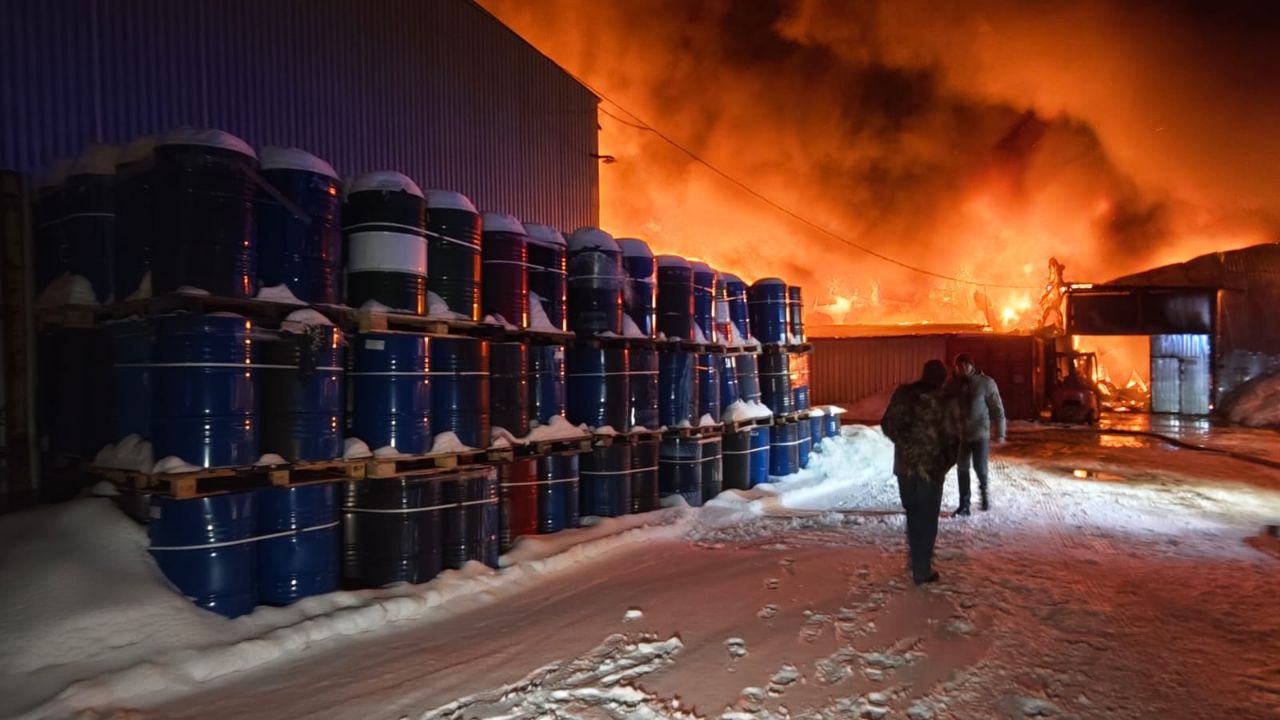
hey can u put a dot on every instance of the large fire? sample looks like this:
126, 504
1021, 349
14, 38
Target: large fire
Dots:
969, 140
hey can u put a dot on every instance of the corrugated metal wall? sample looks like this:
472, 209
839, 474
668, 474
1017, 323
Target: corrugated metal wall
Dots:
859, 373
437, 89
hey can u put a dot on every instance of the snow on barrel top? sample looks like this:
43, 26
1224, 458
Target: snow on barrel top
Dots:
450, 200
587, 238
634, 247
97, 160
544, 235
292, 158
208, 137
672, 261
501, 222
730, 278
139, 149
769, 281
385, 181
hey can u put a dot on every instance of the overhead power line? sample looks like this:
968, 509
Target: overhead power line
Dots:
640, 124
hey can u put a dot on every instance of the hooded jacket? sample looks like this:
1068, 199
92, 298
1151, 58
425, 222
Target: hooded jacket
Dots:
924, 425
981, 409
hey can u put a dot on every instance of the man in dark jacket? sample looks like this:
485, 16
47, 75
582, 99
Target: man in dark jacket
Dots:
922, 422
981, 419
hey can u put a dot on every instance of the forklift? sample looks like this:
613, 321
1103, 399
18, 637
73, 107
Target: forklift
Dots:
1074, 397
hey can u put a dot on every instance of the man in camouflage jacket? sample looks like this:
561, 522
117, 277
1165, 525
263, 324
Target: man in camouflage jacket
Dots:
924, 425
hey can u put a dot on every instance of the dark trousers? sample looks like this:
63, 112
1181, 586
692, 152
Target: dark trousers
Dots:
975, 453
922, 499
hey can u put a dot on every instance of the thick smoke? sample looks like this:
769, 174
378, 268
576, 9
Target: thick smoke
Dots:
974, 139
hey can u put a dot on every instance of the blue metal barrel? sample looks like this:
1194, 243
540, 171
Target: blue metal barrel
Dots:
453, 252
298, 542
205, 235
472, 517
460, 388
831, 425
505, 286
775, 383
736, 460
132, 345
642, 374
795, 314
557, 492
677, 387
547, 273
604, 488
391, 391
596, 282
710, 466
518, 491
299, 229
816, 429
135, 217
709, 385
598, 387
735, 294
806, 443
48, 249
675, 298
207, 548
88, 219
704, 301
728, 374
509, 396
680, 469
641, 290
799, 366
768, 301
302, 384
203, 403
758, 459
784, 449
644, 475
384, 223
391, 530
546, 382
746, 367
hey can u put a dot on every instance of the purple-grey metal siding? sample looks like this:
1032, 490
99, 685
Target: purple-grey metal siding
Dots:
437, 89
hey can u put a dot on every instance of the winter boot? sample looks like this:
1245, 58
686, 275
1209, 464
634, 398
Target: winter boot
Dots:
985, 505
964, 510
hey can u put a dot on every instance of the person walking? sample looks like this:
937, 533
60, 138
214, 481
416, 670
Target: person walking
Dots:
923, 423
982, 420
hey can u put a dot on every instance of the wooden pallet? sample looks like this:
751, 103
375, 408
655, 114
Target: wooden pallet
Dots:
549, 447
787, 347
695, 431
216, 481
397, 466
741, 425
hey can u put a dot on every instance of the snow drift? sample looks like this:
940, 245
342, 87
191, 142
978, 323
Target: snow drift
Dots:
1255, 403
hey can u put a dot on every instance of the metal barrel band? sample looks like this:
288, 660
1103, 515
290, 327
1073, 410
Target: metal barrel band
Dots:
396, 511
744, 452
414, 230
604, 472
455, 241
242, 541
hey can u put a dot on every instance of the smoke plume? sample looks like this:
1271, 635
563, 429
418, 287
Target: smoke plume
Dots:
972, 139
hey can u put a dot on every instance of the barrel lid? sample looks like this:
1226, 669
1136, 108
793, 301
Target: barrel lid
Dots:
730, 278
97, 160
768, 281
292, 158
209, 138
450, 200
585, 238
634, 247
701, 267
672, 261
138, 149
544, 235
501, 222
385, 181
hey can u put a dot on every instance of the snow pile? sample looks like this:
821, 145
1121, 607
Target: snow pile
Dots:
67, 290
438, 309
131, 453
269, 459
1255, 403
630, 329
852, 471
173, 464
355, 448
559, 428
280, 294
745, 410
301, 320
499, 320
538, 319
448, 442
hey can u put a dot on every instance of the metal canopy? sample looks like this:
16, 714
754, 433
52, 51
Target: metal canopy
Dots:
1120, 310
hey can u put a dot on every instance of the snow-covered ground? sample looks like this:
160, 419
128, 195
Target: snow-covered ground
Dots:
1115, 577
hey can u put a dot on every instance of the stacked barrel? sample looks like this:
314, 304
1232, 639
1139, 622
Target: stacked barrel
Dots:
323, 383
